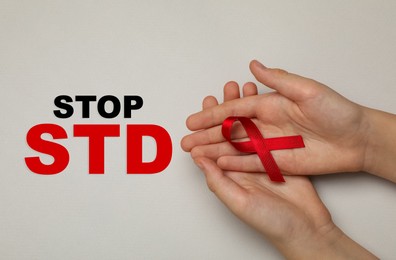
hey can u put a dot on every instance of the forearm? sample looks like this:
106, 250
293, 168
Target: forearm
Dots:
332, 245
380, 157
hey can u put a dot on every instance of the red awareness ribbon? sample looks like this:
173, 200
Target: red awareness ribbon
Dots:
260, 145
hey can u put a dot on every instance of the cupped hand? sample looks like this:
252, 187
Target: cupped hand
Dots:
290, 215
333, 128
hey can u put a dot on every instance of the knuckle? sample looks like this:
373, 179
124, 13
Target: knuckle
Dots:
196, 152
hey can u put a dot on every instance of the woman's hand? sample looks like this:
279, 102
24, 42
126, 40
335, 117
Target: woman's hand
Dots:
334, 129
290, 215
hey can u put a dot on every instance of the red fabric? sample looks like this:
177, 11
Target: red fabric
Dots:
260, 145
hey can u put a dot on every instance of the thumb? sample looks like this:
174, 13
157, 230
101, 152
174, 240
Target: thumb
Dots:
290, 85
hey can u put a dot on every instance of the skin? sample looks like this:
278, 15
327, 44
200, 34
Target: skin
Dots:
339, 135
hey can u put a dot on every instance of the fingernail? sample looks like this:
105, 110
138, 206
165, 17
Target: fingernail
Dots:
260, 64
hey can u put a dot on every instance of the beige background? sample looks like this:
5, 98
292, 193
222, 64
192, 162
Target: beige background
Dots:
173, 53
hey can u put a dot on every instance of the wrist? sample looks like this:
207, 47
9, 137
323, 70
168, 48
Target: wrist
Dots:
313, 245
369, 145
381, 144
328, 242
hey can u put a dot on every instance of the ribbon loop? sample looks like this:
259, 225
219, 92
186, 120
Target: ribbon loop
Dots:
260, 145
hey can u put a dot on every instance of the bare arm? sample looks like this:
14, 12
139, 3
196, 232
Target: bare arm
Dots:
340, 136
290, 215
349, 136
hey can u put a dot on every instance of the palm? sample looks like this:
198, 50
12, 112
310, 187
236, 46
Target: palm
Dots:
330, 125
328, 138
278, 210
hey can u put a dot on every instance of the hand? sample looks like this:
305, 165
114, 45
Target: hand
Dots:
290, 214
334, 129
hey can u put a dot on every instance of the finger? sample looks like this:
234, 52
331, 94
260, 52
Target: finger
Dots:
290, 85
224, 187
208, 102
211, 135
214, 151
287, 161
245, 163
208, 136
249, 89
231, 91
215, 115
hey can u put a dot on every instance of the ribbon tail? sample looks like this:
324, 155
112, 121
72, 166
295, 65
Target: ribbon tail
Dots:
286, 142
